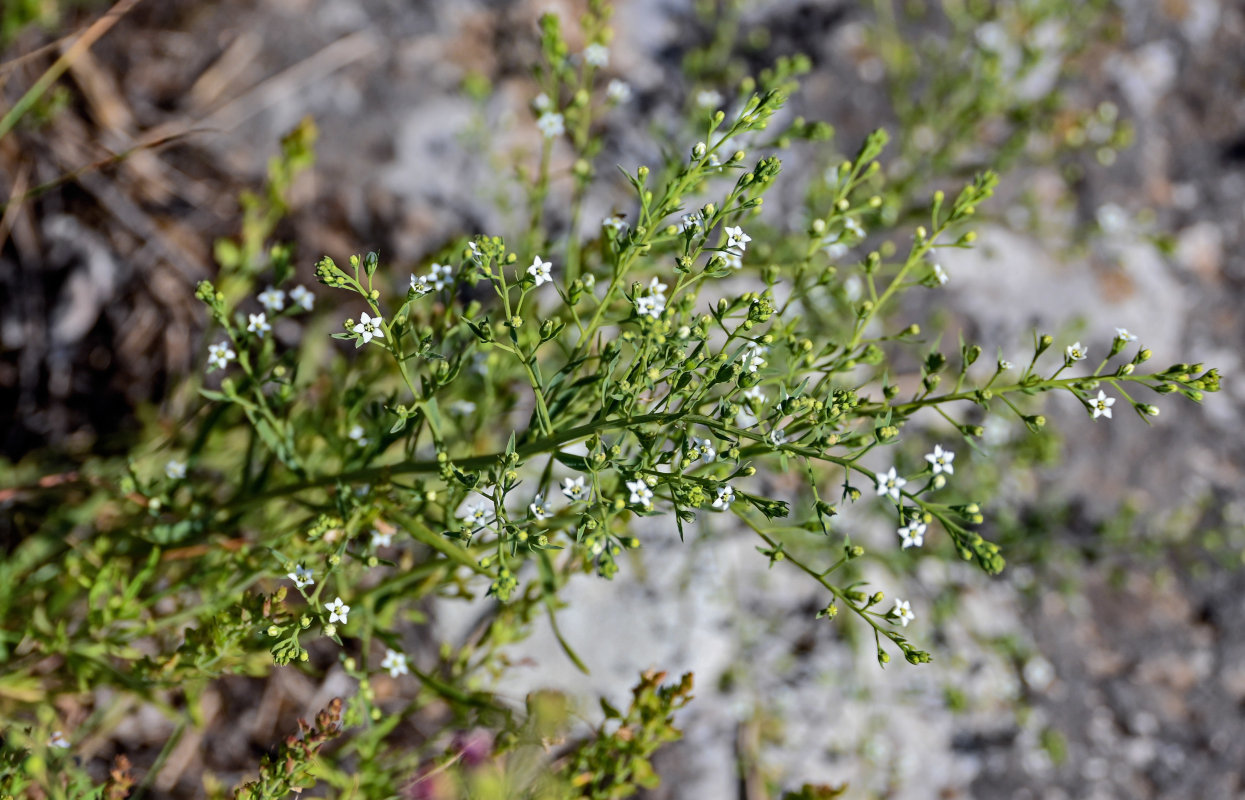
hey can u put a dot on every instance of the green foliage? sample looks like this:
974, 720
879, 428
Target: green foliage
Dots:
487, 430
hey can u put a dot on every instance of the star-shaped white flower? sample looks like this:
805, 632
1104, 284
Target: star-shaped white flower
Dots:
395, 663
302, 576
1124, 336
551, 125
736, 238
657, 289
778, 437
303, 296
272, 299
726, 496
755, 395
890, 483
258, 324
903, 612
542, 271
540, 507
690, 223
1101, 405
476, 514
640, 493
912, 534
574, 488
382, 539
940, 460
618, 91
175, 470
1005, 365
614, 223
337, 611
442, 274
597, 54
1076, 353
753, 357
734, 260
419, 285
702, 448
369, 328
650, 305
219, 355
58, 739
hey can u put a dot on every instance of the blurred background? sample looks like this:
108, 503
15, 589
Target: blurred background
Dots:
1107, 661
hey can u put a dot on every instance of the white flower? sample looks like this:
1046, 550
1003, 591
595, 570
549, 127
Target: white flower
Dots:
1124, 336
542, 271
369, 327
734, 260
597, 54
337, 611
58, 740
477, 514
542, 102
755, 394
176, 470
650, 305
551, 125
778, 437
640, 493
708, 98
702, 448
302, 576
1076, 353
889, 484
903, 612
618, 91
735, 237
356, 433
219, 355
419, 285
615, 223
726, 496
574, 488
589, 280
382, 539
913, 534
442, 274
691, 223
940, 274
462, 408
395, 662
1112, 218
656, 287
941, 460
475, 252
258, 324
1101, 405
540, 507
1005, 365
272, 299
834, 247
753, 357
302, 295
854, 227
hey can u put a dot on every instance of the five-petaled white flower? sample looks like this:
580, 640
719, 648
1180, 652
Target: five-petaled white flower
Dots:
650, 305
912, 534
1101, 405
219, 355
690, 223
551, 125
302, 576
540, 507
702, 448
258, 324
419, 285
940, 274
176, 470
753, 357
272, 299
890, 483
734, 260
1076, 353
618, 91
337, 611
357, 434
574, 488
778, 437
708, 98
640, 493
735, 237
726, 496
1005, 365
755, 395
1124, 336
597, 54
940, 460
58, 740
656, 287
614, 223
369, 327
477, 514
903, 612
303, 296
542, 271
382, 539
442, 274
395, 662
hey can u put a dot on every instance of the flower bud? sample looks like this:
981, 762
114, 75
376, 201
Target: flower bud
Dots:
698, 151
